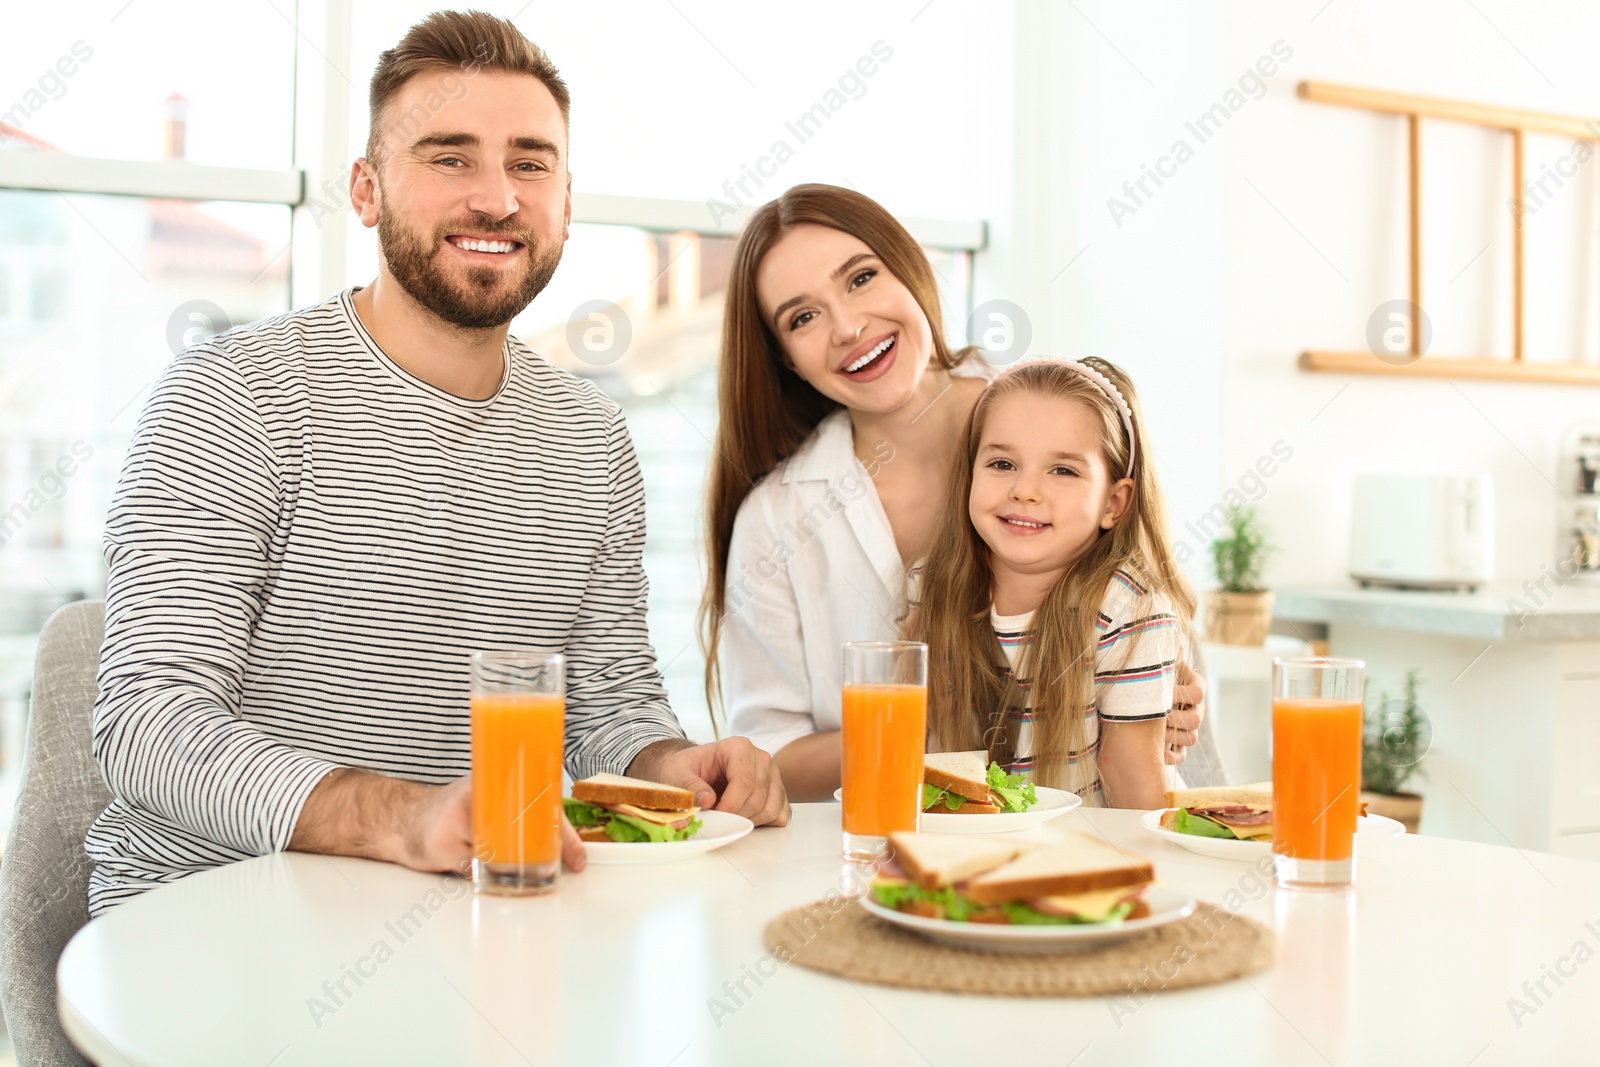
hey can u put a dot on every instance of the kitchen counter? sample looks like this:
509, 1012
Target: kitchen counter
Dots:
1498, 612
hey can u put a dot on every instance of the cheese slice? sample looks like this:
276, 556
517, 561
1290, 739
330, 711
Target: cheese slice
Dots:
1093, 906
665, 818
1247, 832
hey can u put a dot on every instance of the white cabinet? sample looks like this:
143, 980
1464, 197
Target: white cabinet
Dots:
1578, 846
1575, 787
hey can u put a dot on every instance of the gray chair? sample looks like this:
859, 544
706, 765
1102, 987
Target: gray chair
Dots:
44, 876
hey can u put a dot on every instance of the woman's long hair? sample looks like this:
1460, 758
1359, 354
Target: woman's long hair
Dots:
765, 411
966, 684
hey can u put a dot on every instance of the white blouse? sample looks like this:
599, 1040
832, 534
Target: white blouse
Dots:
812, 564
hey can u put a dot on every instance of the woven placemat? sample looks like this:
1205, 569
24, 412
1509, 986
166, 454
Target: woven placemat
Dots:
843, 938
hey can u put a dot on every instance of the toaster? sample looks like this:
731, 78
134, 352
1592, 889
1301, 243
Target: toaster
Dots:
1423, 531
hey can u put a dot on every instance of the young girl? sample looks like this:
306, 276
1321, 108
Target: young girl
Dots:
1052, 609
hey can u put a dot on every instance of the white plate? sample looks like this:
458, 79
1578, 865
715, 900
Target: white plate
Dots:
1166, 905
720, 828
1052, 802
1368, 828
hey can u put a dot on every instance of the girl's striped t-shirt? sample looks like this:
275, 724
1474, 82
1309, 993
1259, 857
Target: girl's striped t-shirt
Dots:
305, 545
1135, 665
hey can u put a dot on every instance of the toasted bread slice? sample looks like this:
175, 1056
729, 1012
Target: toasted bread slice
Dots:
966, 773
969, 808
615, 789
1257, 795
592, 833
1078, 864
935, 860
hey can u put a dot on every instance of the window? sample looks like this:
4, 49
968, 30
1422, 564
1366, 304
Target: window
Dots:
98, 291
152, 80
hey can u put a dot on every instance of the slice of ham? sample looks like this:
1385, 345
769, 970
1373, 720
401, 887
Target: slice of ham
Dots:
1234, 815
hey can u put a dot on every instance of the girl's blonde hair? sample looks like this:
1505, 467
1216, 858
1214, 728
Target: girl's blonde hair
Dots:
967, 687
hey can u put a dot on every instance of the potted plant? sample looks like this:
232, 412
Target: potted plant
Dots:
1394, 740
1240, 612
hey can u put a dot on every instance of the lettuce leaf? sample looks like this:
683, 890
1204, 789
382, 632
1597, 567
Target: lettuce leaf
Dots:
1016, 793
583, 813
625, 828
1201, 826
932, 794
645, 830
957, 908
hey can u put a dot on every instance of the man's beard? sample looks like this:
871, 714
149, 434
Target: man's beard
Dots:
483, 301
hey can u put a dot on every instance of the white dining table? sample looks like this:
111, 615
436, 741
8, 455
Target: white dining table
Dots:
1446, 952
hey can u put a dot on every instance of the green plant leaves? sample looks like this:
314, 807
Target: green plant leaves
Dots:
1239, 557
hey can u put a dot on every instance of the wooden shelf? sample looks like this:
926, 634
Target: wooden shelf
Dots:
1491, 115
1515, 121
1481, 369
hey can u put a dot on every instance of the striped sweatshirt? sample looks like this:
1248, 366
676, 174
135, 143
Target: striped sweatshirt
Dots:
305, 544
1135, 664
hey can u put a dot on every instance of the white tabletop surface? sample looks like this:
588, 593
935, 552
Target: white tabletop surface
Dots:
628, 965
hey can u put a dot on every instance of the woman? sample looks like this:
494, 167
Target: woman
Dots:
841, 418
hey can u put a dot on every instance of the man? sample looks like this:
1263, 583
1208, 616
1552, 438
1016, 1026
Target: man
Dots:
323, 513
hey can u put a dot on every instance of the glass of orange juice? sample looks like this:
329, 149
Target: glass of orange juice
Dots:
519, 702
1316, 770
885, 718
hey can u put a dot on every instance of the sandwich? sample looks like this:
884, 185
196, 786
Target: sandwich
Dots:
1240, 812
988, 880
958, 783
609, 807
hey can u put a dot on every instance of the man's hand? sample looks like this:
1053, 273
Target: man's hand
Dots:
424, 827
1188, 712
727, 775
572, 853
436, 833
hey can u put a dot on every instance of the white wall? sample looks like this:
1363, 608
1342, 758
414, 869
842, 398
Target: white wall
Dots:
1102, 89
1285, 231
1337, 177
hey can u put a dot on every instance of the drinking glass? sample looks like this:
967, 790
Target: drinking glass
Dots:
519, 702
885, 719
1316, 770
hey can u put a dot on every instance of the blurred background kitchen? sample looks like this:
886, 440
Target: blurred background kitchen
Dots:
1140, 182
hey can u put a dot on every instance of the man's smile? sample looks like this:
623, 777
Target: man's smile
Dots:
484, 246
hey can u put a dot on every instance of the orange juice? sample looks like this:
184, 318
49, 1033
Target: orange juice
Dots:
1316, 777
516, 777
885, 733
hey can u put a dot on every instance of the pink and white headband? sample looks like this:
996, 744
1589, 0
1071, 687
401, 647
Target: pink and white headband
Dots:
1101, 381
